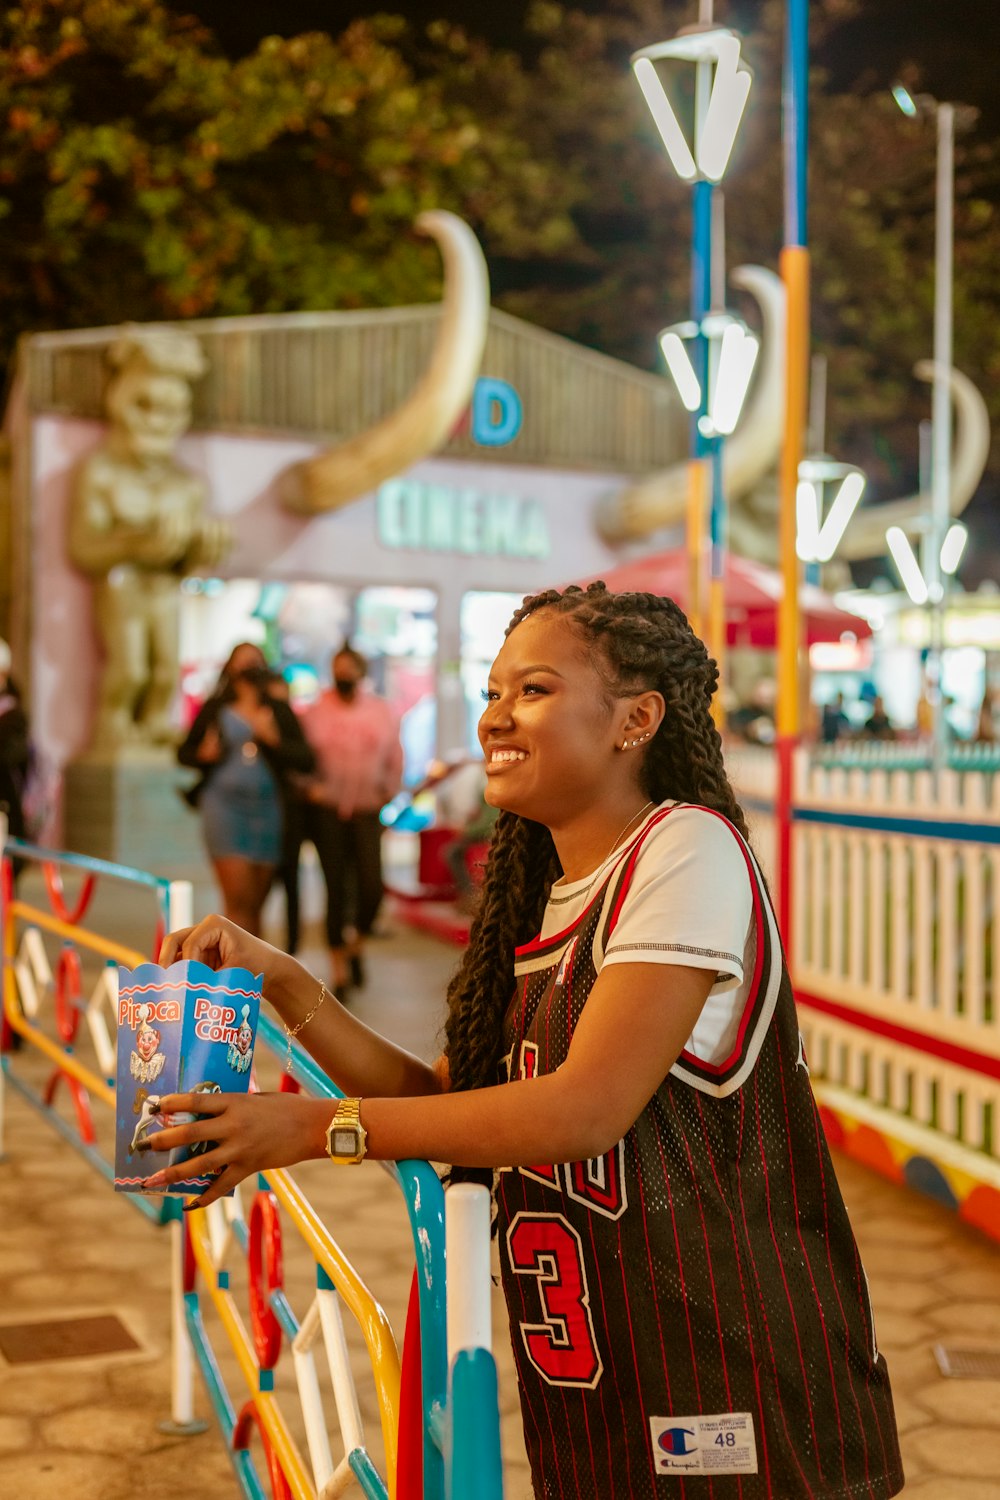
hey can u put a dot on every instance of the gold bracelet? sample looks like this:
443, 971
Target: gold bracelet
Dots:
323, 992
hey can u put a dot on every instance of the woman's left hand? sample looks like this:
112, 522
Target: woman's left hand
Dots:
249, 1133
263, 725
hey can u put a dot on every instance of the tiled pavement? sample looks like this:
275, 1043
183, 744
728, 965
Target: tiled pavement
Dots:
88, 1427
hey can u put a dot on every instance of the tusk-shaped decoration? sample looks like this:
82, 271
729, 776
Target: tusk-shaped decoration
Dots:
865, 536
427, 418
661, 499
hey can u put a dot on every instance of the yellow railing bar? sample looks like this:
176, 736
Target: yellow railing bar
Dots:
64, 1060
108, 949
368, 1313
265, 1401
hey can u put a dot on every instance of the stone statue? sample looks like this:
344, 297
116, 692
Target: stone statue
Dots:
137, 526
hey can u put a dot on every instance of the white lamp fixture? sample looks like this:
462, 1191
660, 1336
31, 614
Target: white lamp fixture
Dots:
903, 555
953, 547
817, 540
732, 356
905, 559
716, 129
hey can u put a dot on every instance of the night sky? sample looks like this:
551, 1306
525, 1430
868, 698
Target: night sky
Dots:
955, 43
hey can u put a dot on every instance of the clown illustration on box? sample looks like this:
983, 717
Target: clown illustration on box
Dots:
146, 1062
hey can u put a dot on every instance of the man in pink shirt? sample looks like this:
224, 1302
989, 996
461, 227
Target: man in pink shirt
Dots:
359, 765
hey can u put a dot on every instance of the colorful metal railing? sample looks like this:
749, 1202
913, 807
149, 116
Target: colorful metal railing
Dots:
894, 944
438, 1407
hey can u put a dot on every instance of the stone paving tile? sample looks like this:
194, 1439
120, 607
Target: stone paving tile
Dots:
974, 1453
15, 1434
972, 1281
963, 1403
967, 1323
903, 1262
938, 1487
44, 1475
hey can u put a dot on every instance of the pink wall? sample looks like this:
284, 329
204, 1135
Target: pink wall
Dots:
342, 546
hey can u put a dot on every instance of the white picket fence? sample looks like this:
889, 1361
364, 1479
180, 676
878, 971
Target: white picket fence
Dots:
895, 932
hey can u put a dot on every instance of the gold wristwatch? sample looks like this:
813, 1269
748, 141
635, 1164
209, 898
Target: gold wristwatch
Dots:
346, 1137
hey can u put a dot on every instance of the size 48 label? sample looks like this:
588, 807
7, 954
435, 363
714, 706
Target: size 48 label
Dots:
704, 1445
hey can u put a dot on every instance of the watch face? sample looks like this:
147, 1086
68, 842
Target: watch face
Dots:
345, 1142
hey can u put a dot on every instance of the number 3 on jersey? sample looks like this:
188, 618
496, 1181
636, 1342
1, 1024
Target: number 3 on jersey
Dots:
562, 1347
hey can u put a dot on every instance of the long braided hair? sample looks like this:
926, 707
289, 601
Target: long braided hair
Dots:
640, 642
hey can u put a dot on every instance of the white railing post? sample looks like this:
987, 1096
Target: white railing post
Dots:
467, 1249
178, 912
180, 905
182, 1420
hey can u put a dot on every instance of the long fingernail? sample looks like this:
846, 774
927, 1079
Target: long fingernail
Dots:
144, 1146
154, 1109
158, 1179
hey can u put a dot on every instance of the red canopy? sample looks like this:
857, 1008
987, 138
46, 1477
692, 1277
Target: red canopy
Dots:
752, 594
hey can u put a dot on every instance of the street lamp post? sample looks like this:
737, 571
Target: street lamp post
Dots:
936, 552
795, 275
722, 86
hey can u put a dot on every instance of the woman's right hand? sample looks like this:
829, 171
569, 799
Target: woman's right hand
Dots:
220, 944
210, 749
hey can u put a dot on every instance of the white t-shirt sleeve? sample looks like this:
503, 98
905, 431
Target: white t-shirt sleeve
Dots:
690, 901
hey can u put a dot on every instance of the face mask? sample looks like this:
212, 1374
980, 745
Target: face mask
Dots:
346, 687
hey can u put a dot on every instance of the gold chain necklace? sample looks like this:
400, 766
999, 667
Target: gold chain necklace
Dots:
614, 846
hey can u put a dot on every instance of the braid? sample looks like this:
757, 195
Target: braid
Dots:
644, 642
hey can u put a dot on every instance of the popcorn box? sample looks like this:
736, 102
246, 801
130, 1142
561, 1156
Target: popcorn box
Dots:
183, 1030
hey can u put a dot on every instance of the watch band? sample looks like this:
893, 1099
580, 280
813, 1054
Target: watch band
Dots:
346, 1137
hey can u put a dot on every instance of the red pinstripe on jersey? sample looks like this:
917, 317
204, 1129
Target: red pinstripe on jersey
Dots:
726, 1280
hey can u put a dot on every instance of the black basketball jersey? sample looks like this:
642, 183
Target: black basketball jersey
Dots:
689, 1313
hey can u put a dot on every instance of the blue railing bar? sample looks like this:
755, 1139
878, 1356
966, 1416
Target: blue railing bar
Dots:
476, 1466
424, 1198
89, 1153
86, 862
304, 1070
437, 1426
966, 833
241, 1233
281, 1308
243, 1464
926, 828
367, 1475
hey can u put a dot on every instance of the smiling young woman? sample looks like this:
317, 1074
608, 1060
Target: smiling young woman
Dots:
684, 1290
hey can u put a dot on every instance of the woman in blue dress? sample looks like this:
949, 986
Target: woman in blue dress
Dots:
245, 743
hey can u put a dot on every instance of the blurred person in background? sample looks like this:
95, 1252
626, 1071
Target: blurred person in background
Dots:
986, 729
246, 744
878, 725
834, 722
15, 750
359, 758
296, 787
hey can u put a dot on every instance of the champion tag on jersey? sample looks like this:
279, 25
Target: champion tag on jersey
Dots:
704, 1445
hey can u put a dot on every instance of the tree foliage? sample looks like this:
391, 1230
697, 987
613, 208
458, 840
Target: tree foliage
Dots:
144, 174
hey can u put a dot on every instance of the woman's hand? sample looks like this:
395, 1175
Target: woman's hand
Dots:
248, 1133
264, 725
220, 944
210, 750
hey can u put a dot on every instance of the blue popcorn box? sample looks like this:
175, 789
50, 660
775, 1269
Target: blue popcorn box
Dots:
187, 1029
